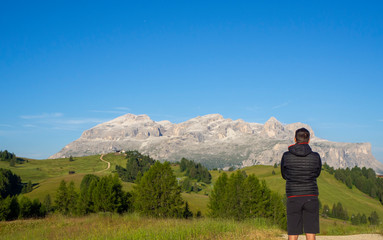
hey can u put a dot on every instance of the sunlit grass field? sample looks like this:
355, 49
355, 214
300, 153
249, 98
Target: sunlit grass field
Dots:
47, 175
134, 227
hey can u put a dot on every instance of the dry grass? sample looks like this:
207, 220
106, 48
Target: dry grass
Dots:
132, 226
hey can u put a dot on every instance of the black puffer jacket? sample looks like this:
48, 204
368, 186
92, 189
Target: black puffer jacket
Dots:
300, 167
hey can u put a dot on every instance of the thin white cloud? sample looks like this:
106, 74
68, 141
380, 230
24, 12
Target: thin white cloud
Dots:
29, 126
80, 121
380, 120
5, 125
115, 110
281, 105
122, 108
252, 108
108, 111
57, 121
42, 116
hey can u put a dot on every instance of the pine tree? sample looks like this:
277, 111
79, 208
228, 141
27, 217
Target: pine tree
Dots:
199, 214
186, 185
264, 201
48, 203
334, 211
9, 208
158, 193
326, 212
25, 207
186, 212
374, 218
217, 203
29, 186
278, 210
85, 204
252, 195
10, 183
349, 182
12, 162
72, 199
108, 196
62, 198
235, 195
356, 219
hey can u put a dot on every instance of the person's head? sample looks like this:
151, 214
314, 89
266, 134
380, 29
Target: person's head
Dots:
302, 135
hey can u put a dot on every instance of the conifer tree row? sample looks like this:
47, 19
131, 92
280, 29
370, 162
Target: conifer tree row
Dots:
362, 178
96, 195
10, 183
195, 170
12, 207
136, 165
339, 212
240, 196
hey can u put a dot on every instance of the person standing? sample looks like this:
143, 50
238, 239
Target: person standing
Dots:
301, 167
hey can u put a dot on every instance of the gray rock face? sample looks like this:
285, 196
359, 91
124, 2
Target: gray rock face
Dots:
213, 141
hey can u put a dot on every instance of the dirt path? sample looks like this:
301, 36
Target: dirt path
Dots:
106, 162
348, 237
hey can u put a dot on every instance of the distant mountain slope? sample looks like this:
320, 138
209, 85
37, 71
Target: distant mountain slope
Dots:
212, 140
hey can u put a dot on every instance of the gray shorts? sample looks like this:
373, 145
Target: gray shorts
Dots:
302, 215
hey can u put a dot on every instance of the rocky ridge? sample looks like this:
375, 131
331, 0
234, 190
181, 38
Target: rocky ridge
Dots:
214, 141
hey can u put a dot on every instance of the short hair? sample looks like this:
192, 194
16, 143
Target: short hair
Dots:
302, 135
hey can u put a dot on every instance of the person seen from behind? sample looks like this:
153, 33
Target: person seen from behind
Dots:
301, 167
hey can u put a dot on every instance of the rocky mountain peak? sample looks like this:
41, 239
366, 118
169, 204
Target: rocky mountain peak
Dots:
130, 118
273, 128
213, 141
273, 120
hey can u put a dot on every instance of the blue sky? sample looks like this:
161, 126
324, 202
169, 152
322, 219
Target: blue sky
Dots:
66, 66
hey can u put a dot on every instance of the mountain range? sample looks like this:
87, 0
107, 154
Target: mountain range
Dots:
213, 141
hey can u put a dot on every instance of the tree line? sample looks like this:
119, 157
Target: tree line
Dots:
9, 157
362, 178
136, 165
10, 183
195, 170
240, 196
156, 194
12, 207
339, 212
96, 195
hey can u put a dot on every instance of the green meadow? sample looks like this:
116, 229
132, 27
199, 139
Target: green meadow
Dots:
134, 227
46, 176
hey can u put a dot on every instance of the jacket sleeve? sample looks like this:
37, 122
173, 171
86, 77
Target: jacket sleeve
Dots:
320, 166
283, 167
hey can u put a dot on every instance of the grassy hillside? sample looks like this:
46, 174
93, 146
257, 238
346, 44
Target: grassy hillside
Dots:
330, 191
47, 174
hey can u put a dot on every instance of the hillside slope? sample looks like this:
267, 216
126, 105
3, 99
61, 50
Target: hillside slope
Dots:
47, 174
